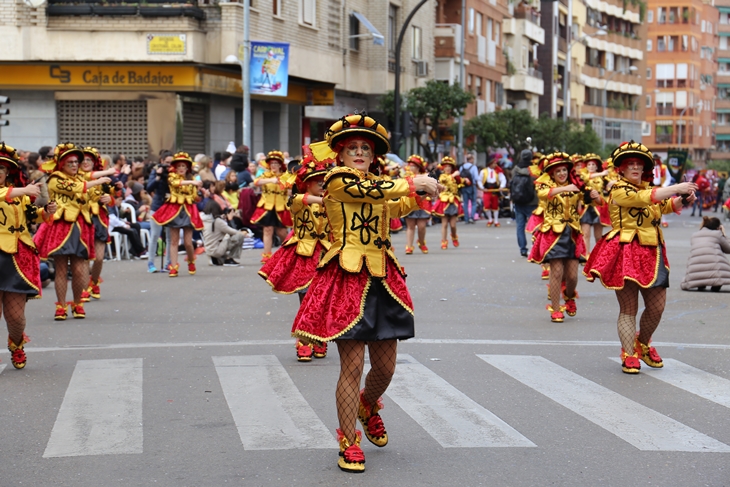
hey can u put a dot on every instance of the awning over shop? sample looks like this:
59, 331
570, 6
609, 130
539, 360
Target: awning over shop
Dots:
151, 77
724, 10
378, 38
722, 137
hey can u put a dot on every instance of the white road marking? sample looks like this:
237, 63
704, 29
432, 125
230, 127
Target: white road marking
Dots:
268, 409
412, 341
2, 367
447, 414
636, 424
101, 413
691, 379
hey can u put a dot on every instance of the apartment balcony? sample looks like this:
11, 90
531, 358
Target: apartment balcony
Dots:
665, 111
143, 8
529, 80
448, 40
524, 27
596, 111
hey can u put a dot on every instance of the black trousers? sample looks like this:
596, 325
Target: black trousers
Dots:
132, 234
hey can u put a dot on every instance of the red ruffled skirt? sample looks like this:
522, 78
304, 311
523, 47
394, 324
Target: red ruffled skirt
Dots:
264, 218
64, 238
604, 214
552, 245
440, 208
534, 222
170, 214
396, 225
336, 305
288, 272
21, 271
613, 262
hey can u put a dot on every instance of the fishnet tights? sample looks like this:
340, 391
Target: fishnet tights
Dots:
562, 270
79, 277
352, 357
99, 248
13, 305
628, 300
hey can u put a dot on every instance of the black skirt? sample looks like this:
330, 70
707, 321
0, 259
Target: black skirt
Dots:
73, 246
662, 275
11, 281
101, 232
383, 317
564, 248
590, 217
182, 220
418, 214
270, 219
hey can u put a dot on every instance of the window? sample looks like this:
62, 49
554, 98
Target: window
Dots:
685, 15
276, 8
609, 61
664, 103
723, 42
497, 39
648, 101
354, 31
723, 18
723, 68
471, 21
480, 21
661, 44
613, 130
470, 83
673, 43
648, 73
479, 87
694, 44
703, 26
722, 118
417, 43
664, 132
524, 57
490, 29
673, 15
648, 45
650, 16
661, 15
308, 12
392, 29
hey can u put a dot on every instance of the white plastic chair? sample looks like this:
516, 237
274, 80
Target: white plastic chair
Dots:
144, 234
120, 244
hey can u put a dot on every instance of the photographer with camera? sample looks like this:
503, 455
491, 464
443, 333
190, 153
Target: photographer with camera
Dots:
158, 186
223, 244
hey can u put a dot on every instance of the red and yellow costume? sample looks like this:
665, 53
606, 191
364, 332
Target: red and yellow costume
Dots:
425, 207
292, 267
538, 215
450, 194
180, 211
595, 212
633, 249
71, 232
559, 234
19, 261
94, 211
271, 210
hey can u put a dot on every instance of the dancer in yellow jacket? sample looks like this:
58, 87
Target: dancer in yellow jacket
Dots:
448, 206
271, 211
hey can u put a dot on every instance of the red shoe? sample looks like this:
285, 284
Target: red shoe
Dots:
648, 354
665, 224
174, 270
409, 250
423, 247
95, 291
61, 312
17, 354
455, 241
570, 307
556, 316
265, 257
319, 349
545, 274
85, 296
78, 310
630, 363
352, 459
191, 267
489, 224
497, 225
372, 422
444, 244
304, 352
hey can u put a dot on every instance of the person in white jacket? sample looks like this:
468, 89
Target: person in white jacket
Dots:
222, 243
491, 182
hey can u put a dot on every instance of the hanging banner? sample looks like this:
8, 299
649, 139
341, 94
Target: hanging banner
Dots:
676, 161
269, 68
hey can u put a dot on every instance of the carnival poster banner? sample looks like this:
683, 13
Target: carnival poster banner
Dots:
269, 68
676, 162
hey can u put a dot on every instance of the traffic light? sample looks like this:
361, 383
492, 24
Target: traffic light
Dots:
4, 111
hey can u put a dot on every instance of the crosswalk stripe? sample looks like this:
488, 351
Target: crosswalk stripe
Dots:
268, 409
636, 424
447, 414
2, 367
101, 413
691, 379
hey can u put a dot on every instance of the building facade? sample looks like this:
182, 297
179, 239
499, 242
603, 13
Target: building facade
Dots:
681, 89
140, 77
722, 81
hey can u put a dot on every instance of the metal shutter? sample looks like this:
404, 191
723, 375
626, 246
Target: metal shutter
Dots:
195, 128
113, 127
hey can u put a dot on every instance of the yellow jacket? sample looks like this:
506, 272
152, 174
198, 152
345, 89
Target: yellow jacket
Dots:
450, 194
181, 194
592, 183
634, 212
93, 195
310, 226
69, 192
13, 221
359, 208
273, 195
560, 209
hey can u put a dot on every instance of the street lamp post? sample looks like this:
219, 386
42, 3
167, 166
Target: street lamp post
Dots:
396, 92
245, 82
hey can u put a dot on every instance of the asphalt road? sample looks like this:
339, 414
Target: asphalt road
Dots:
194, 382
